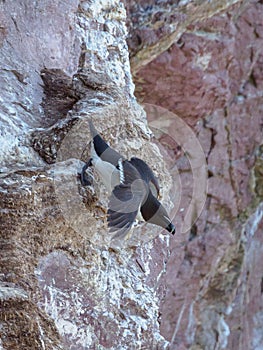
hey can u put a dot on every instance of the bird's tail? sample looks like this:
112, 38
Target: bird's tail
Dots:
93, 130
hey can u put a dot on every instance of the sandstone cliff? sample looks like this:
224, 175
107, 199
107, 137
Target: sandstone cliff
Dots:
64, 284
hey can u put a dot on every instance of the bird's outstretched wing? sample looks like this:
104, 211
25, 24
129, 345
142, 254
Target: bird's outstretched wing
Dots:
147, 175
125, 200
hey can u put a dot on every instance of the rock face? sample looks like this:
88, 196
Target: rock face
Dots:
212, 79
63, 286
64, 283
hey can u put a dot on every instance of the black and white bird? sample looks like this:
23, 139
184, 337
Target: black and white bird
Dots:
132, 186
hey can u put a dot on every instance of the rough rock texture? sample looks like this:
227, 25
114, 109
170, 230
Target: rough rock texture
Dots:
155, 25
210, 66
64, 283
214, 296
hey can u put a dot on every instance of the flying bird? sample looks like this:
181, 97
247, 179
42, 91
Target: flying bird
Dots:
132, 186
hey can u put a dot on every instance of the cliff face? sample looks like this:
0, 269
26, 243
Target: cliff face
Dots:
64, 284
212, 79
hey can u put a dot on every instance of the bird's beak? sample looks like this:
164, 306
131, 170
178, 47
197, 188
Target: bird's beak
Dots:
171, 228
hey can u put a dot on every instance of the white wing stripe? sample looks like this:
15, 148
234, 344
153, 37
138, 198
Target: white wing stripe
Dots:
122, 177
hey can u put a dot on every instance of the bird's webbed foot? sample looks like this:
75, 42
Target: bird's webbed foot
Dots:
85, 178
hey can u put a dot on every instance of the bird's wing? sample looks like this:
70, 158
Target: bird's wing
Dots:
147, 175
125, 201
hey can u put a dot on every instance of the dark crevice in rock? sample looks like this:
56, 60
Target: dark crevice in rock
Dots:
20, 76
193, 233
212, 140
15, 23
47, 142
252, 80
64, 98
213, 143
258, 173
59, 95
210, 174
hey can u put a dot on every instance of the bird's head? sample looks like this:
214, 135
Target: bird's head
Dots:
155, 213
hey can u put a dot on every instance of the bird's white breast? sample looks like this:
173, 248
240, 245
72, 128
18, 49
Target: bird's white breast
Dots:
108, 173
